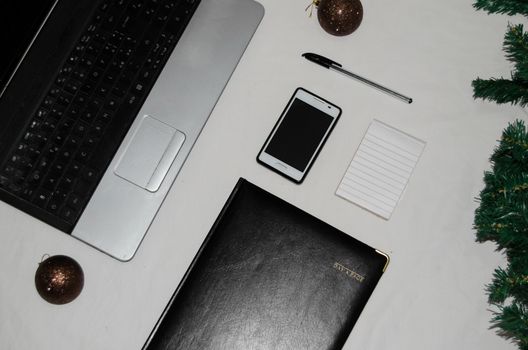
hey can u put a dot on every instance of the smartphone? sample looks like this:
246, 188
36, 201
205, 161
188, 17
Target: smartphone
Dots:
299, 135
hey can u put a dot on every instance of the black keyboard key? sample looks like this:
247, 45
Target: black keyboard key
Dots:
96, 74
111, 104
75, 169
33, 154
120, 89
35, 177
35, 125
66, 155
42, 197
81, 99
72, 86
90, 141
23, 168
33, 139
59, 167
92, 50
83, 188
88, 175
104, 117
42, 113
66, 183
48, 102
65, 126
79, 130
9, 171
80, 74
64, 99
88, 115
67, 69
50, 182
61, 80
100, 38
111, 76
57, 200
54, 204
174, 26
103, 61
83, 154
55, 91
69, 214
72, 143
88, 87
109, 50
53, 151
115, 39
57, 112
15, 189
58, 140
103, 90
96, 104
109, 23
74, 201
47, 128
4, 181
150, 10
86, 63
27, 193
105, 5
43, 165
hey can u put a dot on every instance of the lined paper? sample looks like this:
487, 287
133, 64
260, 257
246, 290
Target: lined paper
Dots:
380, 169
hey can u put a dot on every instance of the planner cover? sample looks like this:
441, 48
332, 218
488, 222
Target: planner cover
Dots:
269, 276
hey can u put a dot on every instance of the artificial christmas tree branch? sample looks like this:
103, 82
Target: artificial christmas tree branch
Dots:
507, 7
501, 90
516, 47
502, 218
514, 91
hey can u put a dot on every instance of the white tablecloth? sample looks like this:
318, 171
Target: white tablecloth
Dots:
432, 296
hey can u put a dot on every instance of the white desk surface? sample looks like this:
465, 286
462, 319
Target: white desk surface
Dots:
431, 297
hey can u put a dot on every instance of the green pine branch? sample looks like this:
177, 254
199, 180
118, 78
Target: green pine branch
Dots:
510, 158
502, 218
516, 46
502, 215
501, 91
506, 284
508, 7
518, 265
512, 323
514, 90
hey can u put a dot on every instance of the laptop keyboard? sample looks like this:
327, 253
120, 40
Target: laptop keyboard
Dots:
65, 149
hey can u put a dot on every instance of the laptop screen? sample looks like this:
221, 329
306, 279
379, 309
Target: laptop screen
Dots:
19, 22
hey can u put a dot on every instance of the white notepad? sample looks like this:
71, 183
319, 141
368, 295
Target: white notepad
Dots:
380, 169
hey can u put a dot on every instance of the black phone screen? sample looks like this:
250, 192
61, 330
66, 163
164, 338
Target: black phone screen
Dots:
299, 134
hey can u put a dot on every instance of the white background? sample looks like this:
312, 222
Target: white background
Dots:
432, 296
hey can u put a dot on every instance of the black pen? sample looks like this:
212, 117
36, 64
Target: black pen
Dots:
327, 63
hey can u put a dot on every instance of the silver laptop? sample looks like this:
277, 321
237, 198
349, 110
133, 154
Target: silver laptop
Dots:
128, 193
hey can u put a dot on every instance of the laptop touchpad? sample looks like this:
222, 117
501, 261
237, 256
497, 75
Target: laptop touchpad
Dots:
150, 153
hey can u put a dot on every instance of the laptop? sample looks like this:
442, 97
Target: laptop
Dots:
102, 101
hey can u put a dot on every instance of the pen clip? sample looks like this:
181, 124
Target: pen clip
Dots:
321, 60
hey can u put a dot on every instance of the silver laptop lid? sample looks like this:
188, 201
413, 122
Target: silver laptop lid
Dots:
156, 146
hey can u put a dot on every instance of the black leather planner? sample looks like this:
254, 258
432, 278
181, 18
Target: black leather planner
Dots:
269, 276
